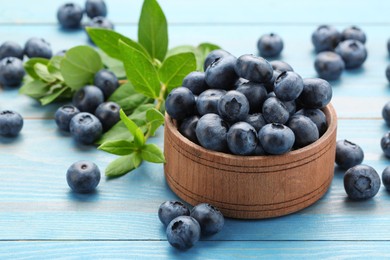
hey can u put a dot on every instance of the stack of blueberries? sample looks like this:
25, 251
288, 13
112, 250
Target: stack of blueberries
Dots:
249, 106
338, 51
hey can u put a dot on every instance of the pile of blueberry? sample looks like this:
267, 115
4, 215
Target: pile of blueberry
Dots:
184, 227
69, 15
249, 106
90, 114
338, 51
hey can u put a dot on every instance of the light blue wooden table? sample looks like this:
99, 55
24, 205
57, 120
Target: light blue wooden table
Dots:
40, 218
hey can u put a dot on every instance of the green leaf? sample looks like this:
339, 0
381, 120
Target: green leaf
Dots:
107, 40
119, 147
123, 165
153, 30
175, 68
29, 66
128, 99
43, 73
79, 66
114, 65
54, 67
56, 93
35, 89
155, 120
152, 153
140, 71
181, 49
139, 138
117, 132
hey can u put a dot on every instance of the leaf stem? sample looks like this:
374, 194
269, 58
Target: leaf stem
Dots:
158, 105
122, 81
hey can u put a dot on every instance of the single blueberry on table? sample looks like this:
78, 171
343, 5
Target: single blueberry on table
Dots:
385, 144
11, 123
386, 113
281, 65
353, 33
386, 178
195, 81
171, 209
69, 15
242, 138
210, 219
275, 111
255, 93
188, 128
220, 74
329, 65
305, 131
361, 182
317, 116
83, 176
108, 114
256, 120
207, 101
95, 8
11, 49
276, 138
233, 106
37, 47
106, 81
388, 73
63, 115
213, 56
183, 232
270, 45
88, 98
11, 71
254, 68
325, 38
288, 86
180, 103
348, 154
211, 132
85, 128
316, 93
352, 52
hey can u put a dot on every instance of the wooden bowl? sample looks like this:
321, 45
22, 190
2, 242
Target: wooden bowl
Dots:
250, 187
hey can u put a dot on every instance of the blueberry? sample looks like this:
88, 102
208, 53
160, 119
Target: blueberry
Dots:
60, 53
305, 131
276, 138
213, 56
316, 93
88, 98
275, 111
11, 49
352, 52
180, 103
361, 182
239, 82
11, 123
256, 120
317, 116
242, 138
259, 150
385, 144
11, 71
171, 209
211, 132
85, 128
386, 178
353, 33
233, 106
69, 15
270, 85
388, 73
95, 8
108, 114
183, 232
281, 65
221, 73
329, 65
106, 81
291, 106
255, 93
195, 81
100, 22
188, 128
348, 154
210, 219
386, 113
36, 47
270, 45
207, 101
325, 38
83, 176
63, 115
254, 68
288, 86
